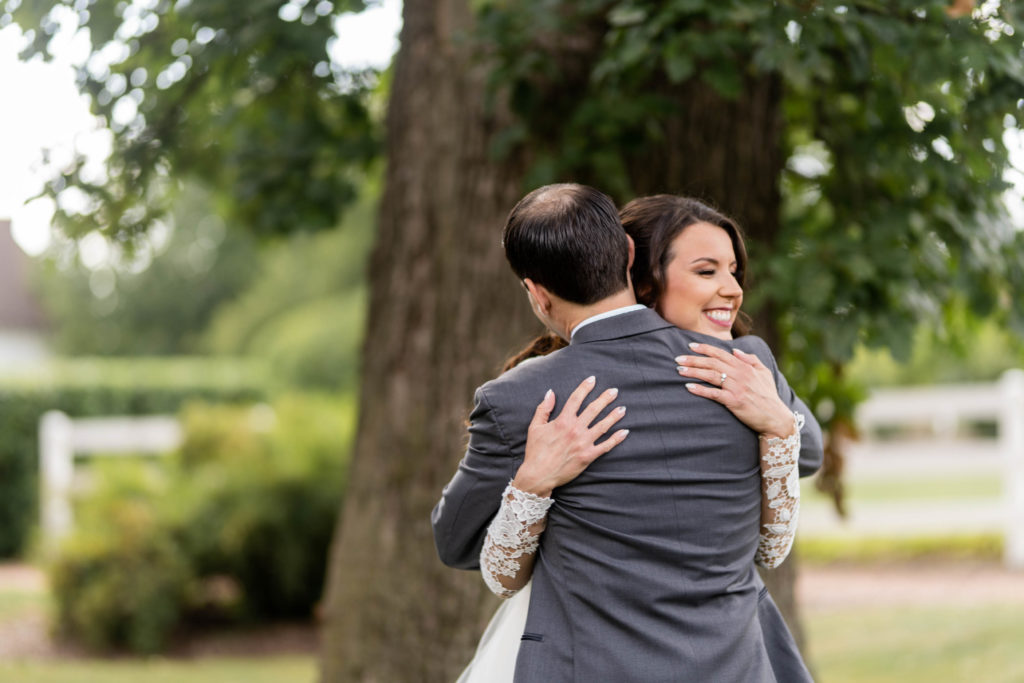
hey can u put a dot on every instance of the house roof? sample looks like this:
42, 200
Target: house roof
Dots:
19, 309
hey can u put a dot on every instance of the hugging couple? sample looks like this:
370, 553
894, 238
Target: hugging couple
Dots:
624, 476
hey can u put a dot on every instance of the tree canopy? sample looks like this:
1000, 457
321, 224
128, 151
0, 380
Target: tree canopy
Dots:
245, 100
894, 115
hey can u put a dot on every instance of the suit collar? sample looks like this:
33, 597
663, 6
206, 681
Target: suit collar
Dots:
625, 325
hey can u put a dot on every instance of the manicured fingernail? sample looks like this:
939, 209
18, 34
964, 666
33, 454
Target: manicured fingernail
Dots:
681, 368
620, 409
623, 433
549, 394
691, 385
680, 359
693, 345
613, 392
591, 379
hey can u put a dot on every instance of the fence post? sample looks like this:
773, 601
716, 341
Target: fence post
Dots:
56, 472
1011, 438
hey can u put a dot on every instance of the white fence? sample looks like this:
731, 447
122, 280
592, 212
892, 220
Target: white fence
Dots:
61, 439
943, 408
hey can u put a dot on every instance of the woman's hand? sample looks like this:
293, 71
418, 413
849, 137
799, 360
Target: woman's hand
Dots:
559, 450
741, 383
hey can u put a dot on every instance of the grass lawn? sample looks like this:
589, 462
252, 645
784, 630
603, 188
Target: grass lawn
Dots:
984, 485
294, 669
917, 644
16, 603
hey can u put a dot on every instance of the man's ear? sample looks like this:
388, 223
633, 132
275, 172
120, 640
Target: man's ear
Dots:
632, 253
539, 294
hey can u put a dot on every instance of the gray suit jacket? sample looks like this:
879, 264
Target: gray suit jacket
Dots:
645, 571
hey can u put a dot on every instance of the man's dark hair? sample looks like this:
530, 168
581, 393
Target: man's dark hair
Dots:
568, 238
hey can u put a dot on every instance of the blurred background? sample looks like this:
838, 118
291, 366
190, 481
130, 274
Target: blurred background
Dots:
250, 276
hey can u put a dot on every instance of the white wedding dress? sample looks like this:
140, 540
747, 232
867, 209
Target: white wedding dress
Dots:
495, 658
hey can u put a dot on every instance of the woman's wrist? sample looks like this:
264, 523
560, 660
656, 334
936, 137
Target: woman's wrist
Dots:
523, 482
783, 425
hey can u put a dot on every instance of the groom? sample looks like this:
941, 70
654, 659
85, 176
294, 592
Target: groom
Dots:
645, 569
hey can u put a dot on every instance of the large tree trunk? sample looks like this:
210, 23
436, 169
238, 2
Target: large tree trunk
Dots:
445, 310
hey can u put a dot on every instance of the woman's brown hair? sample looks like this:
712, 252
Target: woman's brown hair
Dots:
653, 222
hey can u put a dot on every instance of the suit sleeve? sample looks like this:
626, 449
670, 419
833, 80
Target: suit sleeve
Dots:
472, 497
812, 451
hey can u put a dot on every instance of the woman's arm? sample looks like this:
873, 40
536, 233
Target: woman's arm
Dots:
780, 496
556, 453
744, 385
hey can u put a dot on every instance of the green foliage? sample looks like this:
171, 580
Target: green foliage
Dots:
121, 581
250, 500
93, 387
246, 102
259, 491
305, 310
161, 301
975, 351
894, 120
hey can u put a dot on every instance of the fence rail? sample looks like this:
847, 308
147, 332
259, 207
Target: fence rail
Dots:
943, 408
61, 439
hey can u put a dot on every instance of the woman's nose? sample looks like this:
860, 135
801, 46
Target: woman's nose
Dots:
730, 287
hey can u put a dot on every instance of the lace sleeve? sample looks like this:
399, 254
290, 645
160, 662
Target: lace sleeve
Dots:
512, 541
780, 497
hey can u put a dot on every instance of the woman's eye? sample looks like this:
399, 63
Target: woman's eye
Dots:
705, 272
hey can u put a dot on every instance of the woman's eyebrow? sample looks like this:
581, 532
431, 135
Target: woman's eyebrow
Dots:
710, 260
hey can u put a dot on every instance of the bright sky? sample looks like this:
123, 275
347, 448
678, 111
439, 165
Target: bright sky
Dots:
42, 110
45, 112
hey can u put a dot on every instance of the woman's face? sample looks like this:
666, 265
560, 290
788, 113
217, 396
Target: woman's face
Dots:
701, 292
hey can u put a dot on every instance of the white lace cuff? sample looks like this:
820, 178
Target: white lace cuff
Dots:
509, 537
780, 487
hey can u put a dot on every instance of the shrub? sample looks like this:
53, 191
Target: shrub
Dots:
95, 387
121, 581
251, 497
264, 513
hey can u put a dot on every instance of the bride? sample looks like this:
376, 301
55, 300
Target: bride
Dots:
690, 266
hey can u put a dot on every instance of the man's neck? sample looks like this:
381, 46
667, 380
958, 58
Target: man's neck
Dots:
577, 314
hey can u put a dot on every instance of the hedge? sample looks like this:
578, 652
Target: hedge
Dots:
234, 525
94, 387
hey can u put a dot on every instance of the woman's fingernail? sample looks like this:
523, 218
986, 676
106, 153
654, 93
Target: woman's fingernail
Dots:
680, 359
691, 385
624, 433
613, 392
693, 345
549, 394
591, 380
681, 368
620, 409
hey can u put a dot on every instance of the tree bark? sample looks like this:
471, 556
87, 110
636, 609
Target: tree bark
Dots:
445, 310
